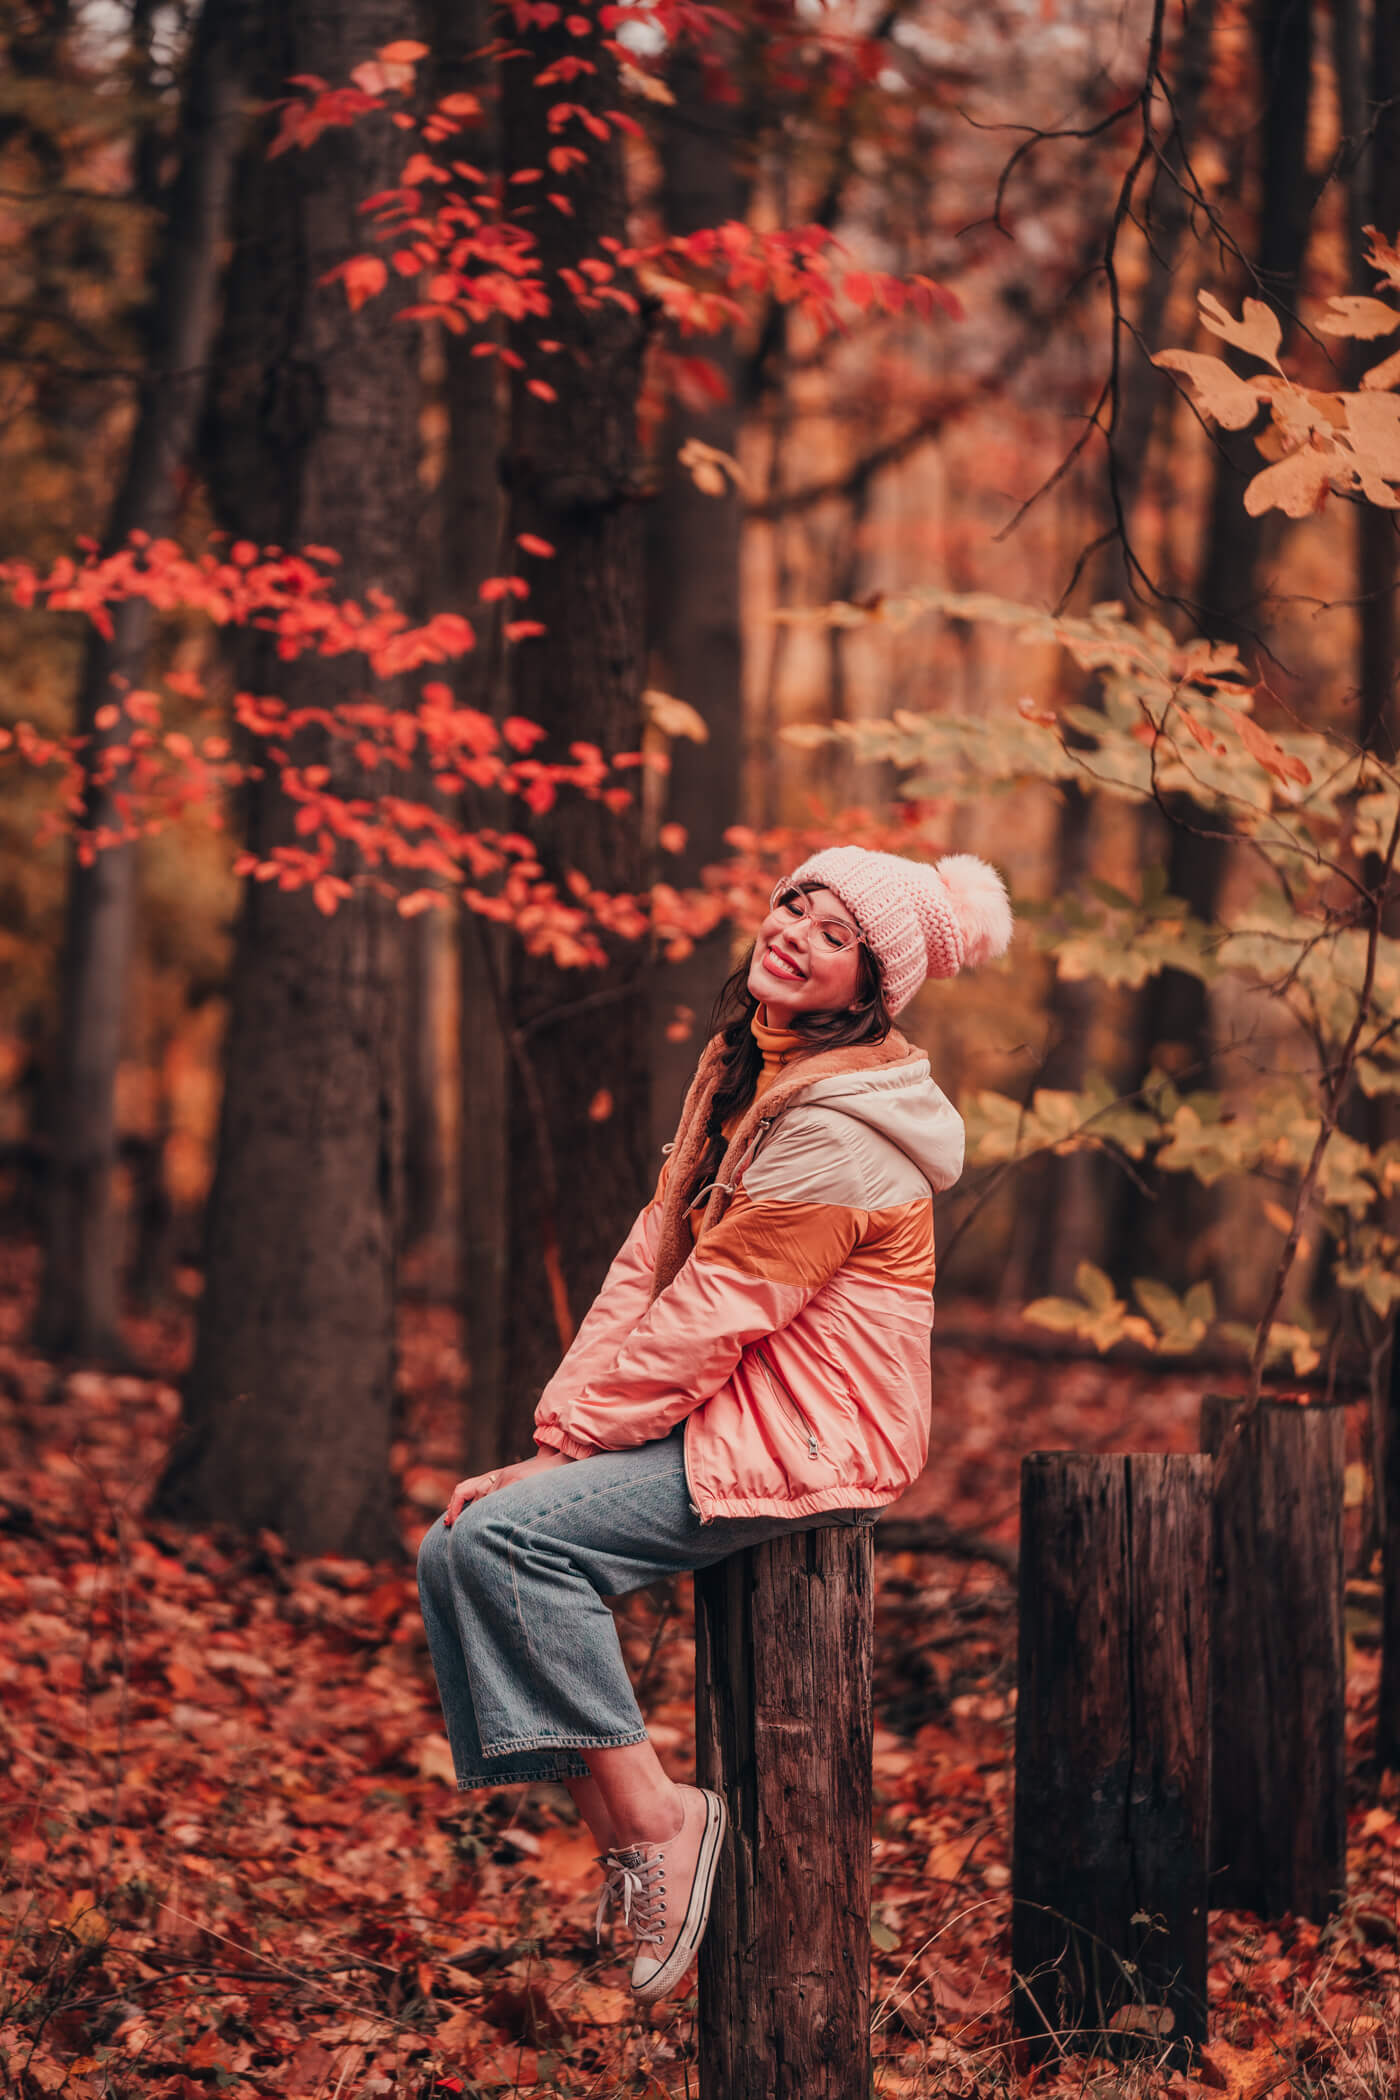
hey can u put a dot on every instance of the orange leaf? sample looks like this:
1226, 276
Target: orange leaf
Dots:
1270, 755
601, 1106
403, 53
364, 276
1198, 730
672, 838
542, 388
532, 543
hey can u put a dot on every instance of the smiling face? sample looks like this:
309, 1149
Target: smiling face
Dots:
798, 968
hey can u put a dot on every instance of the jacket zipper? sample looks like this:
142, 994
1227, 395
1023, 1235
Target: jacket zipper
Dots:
803, 1424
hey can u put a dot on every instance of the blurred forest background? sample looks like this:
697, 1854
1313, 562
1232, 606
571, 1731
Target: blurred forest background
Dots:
485, 491
225, 1100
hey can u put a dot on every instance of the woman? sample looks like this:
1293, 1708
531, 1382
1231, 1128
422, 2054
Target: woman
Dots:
756, 1362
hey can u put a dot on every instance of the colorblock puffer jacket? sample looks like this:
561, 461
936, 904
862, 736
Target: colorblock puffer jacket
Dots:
791, 1336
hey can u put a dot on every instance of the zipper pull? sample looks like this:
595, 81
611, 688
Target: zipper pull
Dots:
812, 1445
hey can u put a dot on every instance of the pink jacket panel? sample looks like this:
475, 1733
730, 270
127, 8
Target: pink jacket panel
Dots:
793, 1342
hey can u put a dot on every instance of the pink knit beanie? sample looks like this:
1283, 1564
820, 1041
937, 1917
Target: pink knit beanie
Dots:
917, 921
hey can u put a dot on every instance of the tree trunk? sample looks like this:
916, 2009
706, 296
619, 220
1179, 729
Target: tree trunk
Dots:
1278, 1659
471, 522
579, 1121
1068, 1217
783, 1729
1166, 1227
693, 577
312, 438
1379, 565
1112, 1820
79, 1293
1387, 1464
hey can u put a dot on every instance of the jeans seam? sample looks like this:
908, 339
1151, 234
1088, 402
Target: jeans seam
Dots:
519, 1745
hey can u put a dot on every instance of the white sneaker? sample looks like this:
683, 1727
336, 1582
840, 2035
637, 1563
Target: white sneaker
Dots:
663, 1893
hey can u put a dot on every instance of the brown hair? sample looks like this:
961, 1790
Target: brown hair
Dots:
868, 1021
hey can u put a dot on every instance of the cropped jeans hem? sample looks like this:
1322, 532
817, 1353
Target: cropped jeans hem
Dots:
564, 1742
523, 1643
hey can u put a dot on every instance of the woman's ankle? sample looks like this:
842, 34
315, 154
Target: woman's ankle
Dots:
656, 1823
592, 1813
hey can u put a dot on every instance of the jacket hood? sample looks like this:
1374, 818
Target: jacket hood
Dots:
904, 1106
886, 1085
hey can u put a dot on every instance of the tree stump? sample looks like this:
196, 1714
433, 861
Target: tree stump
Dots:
1112, 1815
1387, 1464
783, 1645
1278, 1838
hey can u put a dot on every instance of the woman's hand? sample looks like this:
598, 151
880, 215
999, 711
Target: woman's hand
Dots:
486, 1483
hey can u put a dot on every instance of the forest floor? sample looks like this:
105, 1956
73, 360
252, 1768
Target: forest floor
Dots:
234, 1860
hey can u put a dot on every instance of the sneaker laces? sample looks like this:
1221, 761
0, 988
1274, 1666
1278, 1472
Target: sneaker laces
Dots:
633, 1888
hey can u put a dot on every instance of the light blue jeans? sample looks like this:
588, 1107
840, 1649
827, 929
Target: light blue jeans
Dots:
526, 1653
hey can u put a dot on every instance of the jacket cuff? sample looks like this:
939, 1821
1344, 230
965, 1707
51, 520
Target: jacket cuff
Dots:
556, 1439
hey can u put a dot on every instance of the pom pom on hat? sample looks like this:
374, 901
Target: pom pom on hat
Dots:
917, 921
980, 905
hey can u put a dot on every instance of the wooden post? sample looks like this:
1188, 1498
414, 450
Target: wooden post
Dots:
1112, 1817
783, 1646
1278, 1840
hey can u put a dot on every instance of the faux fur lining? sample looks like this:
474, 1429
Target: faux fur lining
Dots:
675, 1242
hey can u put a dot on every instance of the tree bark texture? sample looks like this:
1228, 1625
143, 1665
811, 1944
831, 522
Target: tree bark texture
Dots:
471, 522
1278, 1659
1113, 1751
783, 1661
1167, 1226
80, 1288
693, 574
1387, 1462
1379, 569
578, 1040
312, 437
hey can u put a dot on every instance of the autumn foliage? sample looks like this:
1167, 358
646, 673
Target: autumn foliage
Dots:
235, 1860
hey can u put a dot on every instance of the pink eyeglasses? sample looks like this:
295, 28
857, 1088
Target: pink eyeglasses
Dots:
795, 904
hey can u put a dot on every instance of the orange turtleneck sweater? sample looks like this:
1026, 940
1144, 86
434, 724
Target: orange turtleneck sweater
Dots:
779, 1046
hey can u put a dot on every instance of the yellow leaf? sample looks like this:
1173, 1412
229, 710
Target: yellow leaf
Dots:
1384, 256
1385, 374
1258, 331
1373, 425
647, 85
710, 468
1362, 319
1219, 393
675, 717
1296, 485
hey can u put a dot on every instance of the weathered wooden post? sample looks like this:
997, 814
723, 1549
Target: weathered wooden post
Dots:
1112, 1813
1279, 1658
783, 1646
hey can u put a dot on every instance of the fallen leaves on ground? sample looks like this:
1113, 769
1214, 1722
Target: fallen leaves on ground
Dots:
235, 1860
